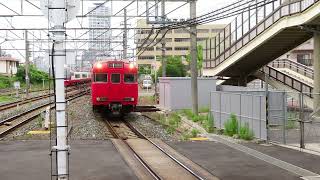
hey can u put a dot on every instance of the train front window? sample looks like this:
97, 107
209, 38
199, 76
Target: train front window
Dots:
77, 76
129, 78
84, 76
115, 78
101, 78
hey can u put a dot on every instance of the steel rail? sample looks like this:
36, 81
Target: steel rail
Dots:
144, 164
10, 119
163, 151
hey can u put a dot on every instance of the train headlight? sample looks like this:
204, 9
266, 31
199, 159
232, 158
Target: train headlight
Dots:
101, 99
99, 65
131, 65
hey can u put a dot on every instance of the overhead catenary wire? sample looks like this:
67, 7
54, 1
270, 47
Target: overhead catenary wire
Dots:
215, 17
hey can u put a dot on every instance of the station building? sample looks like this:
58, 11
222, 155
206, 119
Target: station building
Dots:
8, 65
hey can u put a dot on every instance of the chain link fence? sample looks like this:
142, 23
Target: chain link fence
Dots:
296, 123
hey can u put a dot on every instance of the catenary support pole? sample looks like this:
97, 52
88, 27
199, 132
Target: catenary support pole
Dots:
316, 67
27, 63
125, 39
163, 42
193, 64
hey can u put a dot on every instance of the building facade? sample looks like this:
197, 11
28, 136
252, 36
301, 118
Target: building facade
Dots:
8, 65
99, 39
302, 54
177, 42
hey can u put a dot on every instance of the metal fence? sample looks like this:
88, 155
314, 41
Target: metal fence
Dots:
249, 108
299, 125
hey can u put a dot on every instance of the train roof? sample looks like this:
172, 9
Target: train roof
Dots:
115, 65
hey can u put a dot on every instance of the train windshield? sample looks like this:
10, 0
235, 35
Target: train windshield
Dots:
115, 78
101, 78
129, 78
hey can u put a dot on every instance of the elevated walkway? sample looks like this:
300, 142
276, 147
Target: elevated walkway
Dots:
246, 45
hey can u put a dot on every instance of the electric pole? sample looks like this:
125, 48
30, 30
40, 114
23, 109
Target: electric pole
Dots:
163, 42
27, 63
194, 61
125, 39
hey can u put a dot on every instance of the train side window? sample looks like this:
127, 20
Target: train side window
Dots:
115, 78
100, 77
129, 78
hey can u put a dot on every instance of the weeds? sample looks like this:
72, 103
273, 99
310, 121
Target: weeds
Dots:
245, 132
208, 124
194, 133
231, 126
187, 135
291, 124
204, 110
173, 122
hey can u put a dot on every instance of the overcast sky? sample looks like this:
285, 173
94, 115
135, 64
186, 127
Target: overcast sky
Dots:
203, 6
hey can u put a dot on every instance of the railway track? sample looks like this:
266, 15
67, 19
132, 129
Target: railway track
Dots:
9, 124
151, 158
25, 101
9, 92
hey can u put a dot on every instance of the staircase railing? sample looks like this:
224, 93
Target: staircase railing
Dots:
287, 80
248, 26
294, 66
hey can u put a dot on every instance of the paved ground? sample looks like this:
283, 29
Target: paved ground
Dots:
88, 160
229, 164
301, 159
100, 160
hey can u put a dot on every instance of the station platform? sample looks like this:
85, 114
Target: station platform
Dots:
100, 160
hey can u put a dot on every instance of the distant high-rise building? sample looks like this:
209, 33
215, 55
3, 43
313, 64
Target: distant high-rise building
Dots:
99, 39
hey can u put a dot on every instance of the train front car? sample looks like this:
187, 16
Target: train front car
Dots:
114, 86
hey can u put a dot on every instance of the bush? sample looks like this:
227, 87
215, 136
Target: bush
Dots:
36, 76
245, 132
231, 126
6, 82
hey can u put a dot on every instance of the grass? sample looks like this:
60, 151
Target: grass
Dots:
204, 110
146, 100
6, 98
187, 135
204, 119
245, 132
291, 124
231, 126
173, 121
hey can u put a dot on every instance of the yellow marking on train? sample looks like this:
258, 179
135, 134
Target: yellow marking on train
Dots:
199, 139
38, 132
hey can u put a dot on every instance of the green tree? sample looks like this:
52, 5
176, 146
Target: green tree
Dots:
199, 58
174, 68
36, 76
144, 69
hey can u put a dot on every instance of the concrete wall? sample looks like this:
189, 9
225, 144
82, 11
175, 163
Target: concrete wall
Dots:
175, 92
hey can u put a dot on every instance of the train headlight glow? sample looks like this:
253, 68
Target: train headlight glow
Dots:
131, 65
99, 65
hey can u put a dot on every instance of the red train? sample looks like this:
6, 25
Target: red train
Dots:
114, 86
77, 78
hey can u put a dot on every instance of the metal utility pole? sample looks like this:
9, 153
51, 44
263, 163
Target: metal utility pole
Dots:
27, 63
125, 39
194, 60
163, 42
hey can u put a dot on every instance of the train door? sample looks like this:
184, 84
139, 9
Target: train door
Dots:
116, 88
